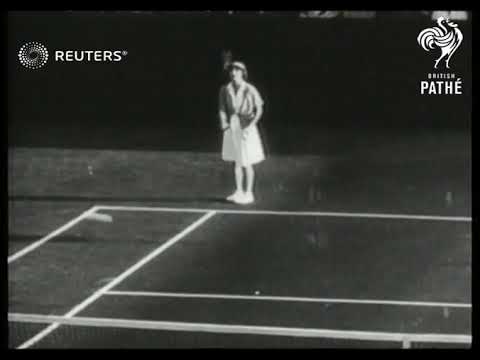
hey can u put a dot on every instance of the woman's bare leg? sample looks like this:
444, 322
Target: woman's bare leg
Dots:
239, 177
238, 194
250, 178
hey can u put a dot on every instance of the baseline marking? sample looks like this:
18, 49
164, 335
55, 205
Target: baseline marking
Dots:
290, 213
404, 338
97, 294
50, 236
287, 298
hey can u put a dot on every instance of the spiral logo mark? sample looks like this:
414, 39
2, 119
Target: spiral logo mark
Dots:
33, 55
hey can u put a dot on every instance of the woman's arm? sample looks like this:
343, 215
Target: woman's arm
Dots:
256, 118
258, 103
258, 115
223, 119
222, 113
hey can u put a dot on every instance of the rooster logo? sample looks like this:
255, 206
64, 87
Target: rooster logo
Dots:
447, 37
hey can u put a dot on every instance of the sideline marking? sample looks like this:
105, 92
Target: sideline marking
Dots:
288, 298
290, 213
404, 338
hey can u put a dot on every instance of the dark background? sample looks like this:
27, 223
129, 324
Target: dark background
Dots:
319, 77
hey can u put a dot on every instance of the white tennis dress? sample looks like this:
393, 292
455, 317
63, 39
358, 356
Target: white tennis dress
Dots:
244, 149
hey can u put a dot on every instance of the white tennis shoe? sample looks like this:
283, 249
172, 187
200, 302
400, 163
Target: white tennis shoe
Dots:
246, 198
236, 196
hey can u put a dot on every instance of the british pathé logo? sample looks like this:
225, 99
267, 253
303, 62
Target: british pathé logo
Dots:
447, 37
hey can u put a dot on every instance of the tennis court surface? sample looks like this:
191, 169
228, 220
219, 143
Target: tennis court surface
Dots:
385, 263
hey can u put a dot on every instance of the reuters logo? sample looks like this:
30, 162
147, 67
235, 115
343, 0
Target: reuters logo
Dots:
33, 55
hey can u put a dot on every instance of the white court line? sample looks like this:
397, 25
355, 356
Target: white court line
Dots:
54, 233
97, 294
290, 213
288, 298
242, 329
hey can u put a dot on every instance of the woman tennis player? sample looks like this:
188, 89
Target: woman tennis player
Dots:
240, 108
